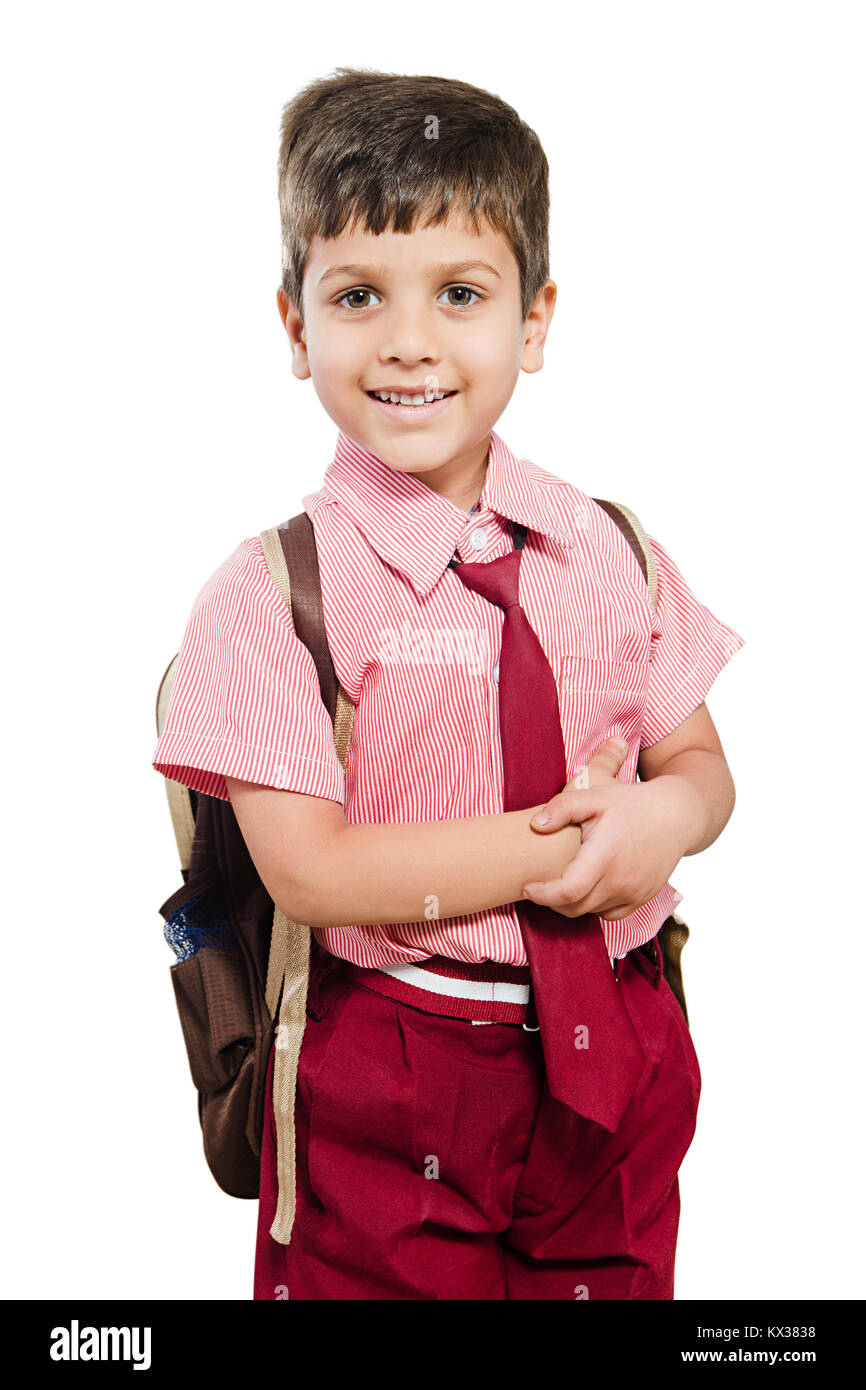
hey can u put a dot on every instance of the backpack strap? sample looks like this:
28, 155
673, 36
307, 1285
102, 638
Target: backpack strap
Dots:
290, 555
637, 539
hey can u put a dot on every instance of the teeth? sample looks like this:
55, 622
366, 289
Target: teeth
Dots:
396, 399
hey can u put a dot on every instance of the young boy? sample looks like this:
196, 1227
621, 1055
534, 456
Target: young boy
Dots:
438, 1158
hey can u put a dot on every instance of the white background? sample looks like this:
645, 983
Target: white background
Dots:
705, 364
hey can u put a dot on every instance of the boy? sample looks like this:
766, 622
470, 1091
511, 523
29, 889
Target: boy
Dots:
439, 1158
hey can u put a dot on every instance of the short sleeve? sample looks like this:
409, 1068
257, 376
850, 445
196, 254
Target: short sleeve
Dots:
245, 701
690, 645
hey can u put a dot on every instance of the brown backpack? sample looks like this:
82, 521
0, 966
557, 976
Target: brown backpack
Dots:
240, 982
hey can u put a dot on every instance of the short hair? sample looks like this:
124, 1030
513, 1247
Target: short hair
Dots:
357, 147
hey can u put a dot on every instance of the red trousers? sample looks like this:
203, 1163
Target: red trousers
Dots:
433, 1163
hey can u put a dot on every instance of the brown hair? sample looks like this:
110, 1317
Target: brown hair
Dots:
357, 147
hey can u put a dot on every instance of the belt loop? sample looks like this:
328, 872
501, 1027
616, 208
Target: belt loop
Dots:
531, 1023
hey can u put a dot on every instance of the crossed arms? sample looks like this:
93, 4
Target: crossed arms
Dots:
606, 849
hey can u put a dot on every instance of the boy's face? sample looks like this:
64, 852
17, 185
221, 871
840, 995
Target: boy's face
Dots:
398, 311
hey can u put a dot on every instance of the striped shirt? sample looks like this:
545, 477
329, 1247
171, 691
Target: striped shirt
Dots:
417, 652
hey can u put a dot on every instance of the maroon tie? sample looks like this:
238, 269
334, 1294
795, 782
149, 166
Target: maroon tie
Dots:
592, 1054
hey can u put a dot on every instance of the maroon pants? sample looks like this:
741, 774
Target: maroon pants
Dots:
433, 1163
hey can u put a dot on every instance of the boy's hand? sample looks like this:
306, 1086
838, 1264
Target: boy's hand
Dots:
632, 839
600, 771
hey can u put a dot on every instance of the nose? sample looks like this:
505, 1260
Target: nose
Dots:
409, 337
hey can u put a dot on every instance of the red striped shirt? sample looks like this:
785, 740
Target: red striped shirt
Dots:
417, 652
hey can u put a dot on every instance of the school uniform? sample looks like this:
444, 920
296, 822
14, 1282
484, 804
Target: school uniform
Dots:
432, 1160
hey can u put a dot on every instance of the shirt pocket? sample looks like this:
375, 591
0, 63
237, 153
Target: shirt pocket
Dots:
599, 697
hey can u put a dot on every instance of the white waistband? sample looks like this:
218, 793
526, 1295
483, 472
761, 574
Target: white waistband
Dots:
495, 991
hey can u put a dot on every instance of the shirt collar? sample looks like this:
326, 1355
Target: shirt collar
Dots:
415, 530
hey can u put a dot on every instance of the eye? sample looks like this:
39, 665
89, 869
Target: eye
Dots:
350, 293
461, 289
350, 297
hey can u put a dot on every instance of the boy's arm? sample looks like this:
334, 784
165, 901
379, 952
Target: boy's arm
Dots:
323, 871
635, 835
701, 788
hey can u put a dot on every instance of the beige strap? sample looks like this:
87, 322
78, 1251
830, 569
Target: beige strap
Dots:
344, 718
289, 963
287, 1050
276, 563
643, 541
179, 804
277, 958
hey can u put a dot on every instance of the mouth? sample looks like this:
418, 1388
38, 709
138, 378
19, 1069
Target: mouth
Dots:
416, 409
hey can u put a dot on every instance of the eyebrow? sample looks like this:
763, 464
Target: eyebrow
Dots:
443, 271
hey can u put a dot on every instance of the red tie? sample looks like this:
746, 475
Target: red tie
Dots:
592, 1054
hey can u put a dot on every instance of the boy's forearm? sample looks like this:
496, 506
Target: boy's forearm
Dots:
701, 792
431, 869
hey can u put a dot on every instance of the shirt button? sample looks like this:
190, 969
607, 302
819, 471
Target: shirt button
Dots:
477, 538
496, 672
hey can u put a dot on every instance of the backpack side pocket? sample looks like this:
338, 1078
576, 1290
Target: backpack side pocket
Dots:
212, 993
210, 981
211, 990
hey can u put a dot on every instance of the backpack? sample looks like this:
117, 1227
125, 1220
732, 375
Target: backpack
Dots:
240, 980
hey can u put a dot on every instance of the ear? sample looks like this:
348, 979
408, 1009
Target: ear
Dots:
294, 327
535, 327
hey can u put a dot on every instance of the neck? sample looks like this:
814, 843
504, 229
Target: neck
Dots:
463, 492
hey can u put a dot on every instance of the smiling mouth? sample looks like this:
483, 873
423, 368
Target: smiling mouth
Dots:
410, 404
